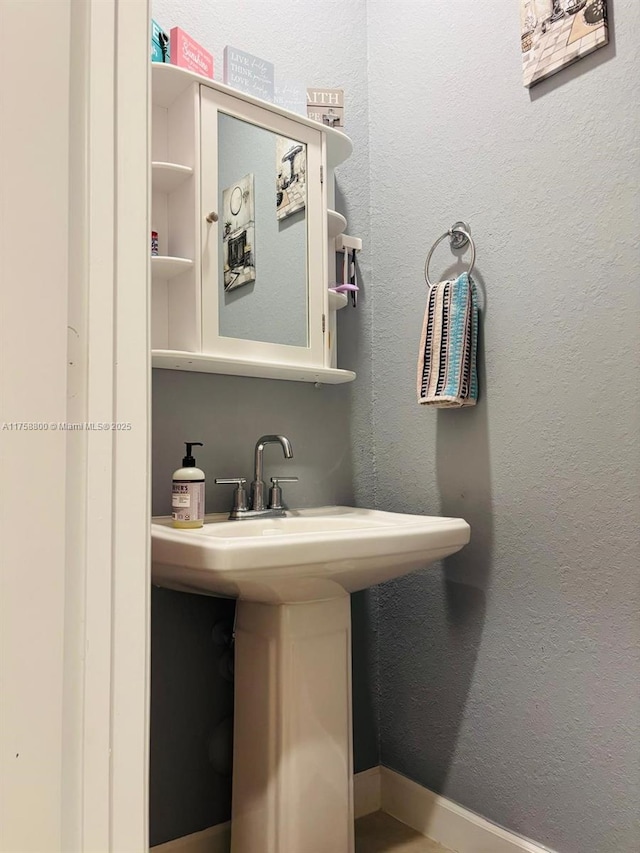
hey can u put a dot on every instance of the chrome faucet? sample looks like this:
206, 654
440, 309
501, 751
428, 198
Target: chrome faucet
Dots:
243, 508
258, 488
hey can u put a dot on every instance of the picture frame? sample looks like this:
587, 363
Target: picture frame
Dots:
557, 33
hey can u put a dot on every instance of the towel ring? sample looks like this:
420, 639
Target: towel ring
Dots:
459, 236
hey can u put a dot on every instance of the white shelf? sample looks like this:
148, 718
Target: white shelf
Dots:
165, 267
339, 146
202, 363
337, 300
166, 177
169, 81
336, 223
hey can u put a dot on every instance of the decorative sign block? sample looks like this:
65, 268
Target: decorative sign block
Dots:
248, 73
291, 95
160, 45
187, 53
326, 106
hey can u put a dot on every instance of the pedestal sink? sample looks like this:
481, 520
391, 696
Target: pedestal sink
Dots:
292, 759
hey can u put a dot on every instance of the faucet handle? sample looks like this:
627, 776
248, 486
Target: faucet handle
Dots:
240, 499
275, 492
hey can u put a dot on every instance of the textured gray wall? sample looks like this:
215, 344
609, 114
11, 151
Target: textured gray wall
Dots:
509, 680
228, 414
317, 44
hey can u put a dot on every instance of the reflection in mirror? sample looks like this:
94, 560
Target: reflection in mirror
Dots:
263, 270
291, 183
238, 235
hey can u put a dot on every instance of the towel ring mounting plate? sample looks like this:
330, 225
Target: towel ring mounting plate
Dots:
459, 235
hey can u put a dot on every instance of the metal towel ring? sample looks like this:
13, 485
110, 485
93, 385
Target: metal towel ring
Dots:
459, 237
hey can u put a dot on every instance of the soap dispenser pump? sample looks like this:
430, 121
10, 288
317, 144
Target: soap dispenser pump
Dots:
187, 493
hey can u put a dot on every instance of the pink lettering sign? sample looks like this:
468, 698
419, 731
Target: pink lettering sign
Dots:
187, 53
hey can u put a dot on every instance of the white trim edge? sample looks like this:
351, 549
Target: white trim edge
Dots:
216, 839
446, 822
366, 792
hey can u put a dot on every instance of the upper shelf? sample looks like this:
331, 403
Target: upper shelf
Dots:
166, 267
166, 177
169, 81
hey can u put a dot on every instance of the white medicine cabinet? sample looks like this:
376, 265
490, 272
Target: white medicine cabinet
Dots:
246, 236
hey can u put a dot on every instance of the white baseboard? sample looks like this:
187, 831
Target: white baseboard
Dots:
216, 839
366, 792
431, 815
445, 821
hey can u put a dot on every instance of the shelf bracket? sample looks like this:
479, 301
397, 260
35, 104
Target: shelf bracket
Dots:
344, 241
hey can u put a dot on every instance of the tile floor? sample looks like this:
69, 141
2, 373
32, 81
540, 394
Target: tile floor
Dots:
380, 833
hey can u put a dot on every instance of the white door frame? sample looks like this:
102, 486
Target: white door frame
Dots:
75, 520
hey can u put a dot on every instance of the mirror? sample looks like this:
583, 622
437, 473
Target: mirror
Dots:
263, 289
265, 249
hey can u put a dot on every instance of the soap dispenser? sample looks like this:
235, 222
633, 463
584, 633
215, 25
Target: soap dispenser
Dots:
187, 494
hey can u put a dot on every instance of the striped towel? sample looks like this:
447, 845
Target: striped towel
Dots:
447, 375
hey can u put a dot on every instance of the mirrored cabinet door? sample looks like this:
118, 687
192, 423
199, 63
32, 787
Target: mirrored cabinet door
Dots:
264, 284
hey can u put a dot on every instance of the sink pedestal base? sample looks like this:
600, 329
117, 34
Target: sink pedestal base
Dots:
292, 754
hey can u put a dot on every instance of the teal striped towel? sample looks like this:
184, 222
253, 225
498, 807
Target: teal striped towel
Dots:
447, 373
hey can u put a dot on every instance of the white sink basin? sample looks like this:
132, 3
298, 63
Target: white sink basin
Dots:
292, 748
311, 554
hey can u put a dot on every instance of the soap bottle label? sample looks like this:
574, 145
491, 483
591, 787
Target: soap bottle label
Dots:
187, 501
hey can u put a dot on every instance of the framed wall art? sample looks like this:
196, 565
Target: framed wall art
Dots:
557, 33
